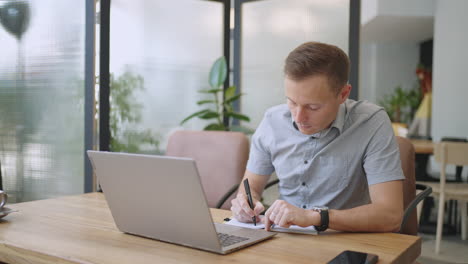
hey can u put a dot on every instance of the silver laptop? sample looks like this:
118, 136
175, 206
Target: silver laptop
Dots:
162, 198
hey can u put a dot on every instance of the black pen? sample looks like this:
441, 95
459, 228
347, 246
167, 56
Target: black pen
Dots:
249, 198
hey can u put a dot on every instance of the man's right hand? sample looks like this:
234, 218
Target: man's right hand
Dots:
241, 210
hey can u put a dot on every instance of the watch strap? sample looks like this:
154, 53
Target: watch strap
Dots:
324, 220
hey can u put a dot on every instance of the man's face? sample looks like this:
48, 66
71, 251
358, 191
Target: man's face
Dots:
313, 103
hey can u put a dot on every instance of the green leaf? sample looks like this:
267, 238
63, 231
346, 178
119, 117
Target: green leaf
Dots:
194, 115
213, 91
215, 126
232, 99
228, 108
230, 92
218, 72
238, 116
205, 102
209, 114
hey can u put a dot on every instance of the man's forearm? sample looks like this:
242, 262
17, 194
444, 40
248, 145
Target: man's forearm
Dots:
257, 184
367, 218
382, 215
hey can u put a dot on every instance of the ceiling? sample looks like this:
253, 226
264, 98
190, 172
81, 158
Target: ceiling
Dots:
386, 28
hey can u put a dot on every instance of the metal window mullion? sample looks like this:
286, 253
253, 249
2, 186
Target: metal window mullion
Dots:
89, 91
104, 85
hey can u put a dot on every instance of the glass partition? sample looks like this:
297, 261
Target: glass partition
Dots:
160, 56
41, 98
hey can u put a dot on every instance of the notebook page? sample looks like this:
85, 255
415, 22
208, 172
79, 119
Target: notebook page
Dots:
291, 229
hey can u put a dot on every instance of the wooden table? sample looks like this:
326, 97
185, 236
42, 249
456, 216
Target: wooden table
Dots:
80, 229
423, 149
422, 146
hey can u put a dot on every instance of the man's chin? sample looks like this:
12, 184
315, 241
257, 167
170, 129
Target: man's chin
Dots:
307, 131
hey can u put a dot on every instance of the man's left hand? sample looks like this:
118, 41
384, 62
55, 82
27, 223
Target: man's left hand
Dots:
284, 214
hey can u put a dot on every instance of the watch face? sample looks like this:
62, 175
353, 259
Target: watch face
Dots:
319, 208
323, 211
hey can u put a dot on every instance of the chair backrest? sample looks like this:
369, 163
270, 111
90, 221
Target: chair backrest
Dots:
407, 156
221, 158
450, 153
455, 153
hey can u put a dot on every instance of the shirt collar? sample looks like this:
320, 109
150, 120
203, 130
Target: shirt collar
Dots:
340, 118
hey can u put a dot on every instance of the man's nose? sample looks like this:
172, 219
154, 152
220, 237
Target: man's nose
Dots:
301, 115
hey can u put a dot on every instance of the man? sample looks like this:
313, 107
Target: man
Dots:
337, 159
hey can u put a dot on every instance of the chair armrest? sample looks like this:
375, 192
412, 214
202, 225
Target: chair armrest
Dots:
234, 188
228, 194
273, 182
421, 196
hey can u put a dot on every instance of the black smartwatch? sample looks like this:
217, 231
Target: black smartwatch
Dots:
323, 211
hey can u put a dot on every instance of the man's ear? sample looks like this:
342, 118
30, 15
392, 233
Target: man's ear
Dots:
344, 93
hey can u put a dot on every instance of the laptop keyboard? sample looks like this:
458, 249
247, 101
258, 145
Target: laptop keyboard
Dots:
227, 240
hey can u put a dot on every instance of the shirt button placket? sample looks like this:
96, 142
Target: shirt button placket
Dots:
310, 145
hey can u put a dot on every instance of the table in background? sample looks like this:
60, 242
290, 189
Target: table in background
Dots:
422, 146
80, 229
423, 149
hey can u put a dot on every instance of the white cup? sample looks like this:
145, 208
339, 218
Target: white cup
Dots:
3, 198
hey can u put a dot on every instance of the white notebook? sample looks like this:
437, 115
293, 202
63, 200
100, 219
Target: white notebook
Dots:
292, 229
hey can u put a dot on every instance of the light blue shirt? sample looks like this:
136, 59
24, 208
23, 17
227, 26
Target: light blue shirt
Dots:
333, 167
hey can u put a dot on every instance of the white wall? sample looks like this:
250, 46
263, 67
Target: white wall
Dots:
367, 72
369, 9
450, 70
372, 8
391, 31
406, 7
384, 66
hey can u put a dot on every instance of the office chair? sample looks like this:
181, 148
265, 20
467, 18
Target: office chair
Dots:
221, 158
409, 223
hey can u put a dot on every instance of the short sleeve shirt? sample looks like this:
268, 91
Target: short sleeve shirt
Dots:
333, 167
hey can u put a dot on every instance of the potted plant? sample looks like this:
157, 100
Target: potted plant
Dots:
401, 104
220, 105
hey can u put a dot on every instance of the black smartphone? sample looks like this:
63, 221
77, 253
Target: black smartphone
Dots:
354, 257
